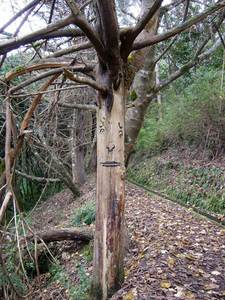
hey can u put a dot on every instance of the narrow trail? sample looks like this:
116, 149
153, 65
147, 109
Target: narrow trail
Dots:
173, 253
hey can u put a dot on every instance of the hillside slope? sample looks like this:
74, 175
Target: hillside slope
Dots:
172, 253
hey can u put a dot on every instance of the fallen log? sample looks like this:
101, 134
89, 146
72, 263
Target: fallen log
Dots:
56, 235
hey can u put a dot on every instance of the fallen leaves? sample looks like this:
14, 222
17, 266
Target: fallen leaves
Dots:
172, 254
165, 284
170, 262
130, 295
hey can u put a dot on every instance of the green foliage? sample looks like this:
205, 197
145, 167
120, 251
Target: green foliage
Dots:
87, 252
76, 292
81, 291
30, 190
201, 186
85, 214
9, 276
132, 96
194, 117
12, 63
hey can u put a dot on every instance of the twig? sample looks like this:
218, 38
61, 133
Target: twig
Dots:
4, 205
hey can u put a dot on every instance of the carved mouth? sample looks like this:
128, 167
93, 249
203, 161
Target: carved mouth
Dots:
109, 163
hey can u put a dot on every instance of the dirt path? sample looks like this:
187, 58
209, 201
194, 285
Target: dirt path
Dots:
173, 253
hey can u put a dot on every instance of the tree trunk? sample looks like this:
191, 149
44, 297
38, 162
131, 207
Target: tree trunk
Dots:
109, 231
144, 82
78, 147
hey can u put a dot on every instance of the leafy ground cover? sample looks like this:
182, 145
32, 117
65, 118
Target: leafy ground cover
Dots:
196, 182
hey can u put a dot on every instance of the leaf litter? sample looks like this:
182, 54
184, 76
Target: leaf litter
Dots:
172, 253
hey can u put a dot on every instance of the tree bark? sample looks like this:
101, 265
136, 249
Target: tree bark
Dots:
55, 235
109, 231
78, 148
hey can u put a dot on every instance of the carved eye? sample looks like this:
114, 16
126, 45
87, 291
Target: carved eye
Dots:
101, 129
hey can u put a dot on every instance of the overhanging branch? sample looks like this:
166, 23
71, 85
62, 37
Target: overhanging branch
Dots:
15, 43
164, 36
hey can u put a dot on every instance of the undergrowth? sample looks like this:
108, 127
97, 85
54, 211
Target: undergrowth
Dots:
201, 186
79, 291
192, 115
85, 215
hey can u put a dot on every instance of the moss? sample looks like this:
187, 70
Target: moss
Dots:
133, 95
87, 252
19, 69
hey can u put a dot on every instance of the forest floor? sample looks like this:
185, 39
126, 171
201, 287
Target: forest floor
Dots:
173, 253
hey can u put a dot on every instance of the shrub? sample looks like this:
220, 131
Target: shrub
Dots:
194, 117
85, 215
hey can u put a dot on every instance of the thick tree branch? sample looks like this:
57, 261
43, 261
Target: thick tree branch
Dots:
15, 43
144, 20
82, 23
108, 26
83, 80
70, 50
24, 70
79, 106
164, 36
78, 68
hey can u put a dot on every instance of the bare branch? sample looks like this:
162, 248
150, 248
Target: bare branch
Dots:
145, 19
15, 43
35, 178
159, 38
8, 137
78, 68
4, 205
49, 91
16, 16
83, 80
24, 70
185, 68
28, 115
108, 24
79, 106
70, 50
83, 24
